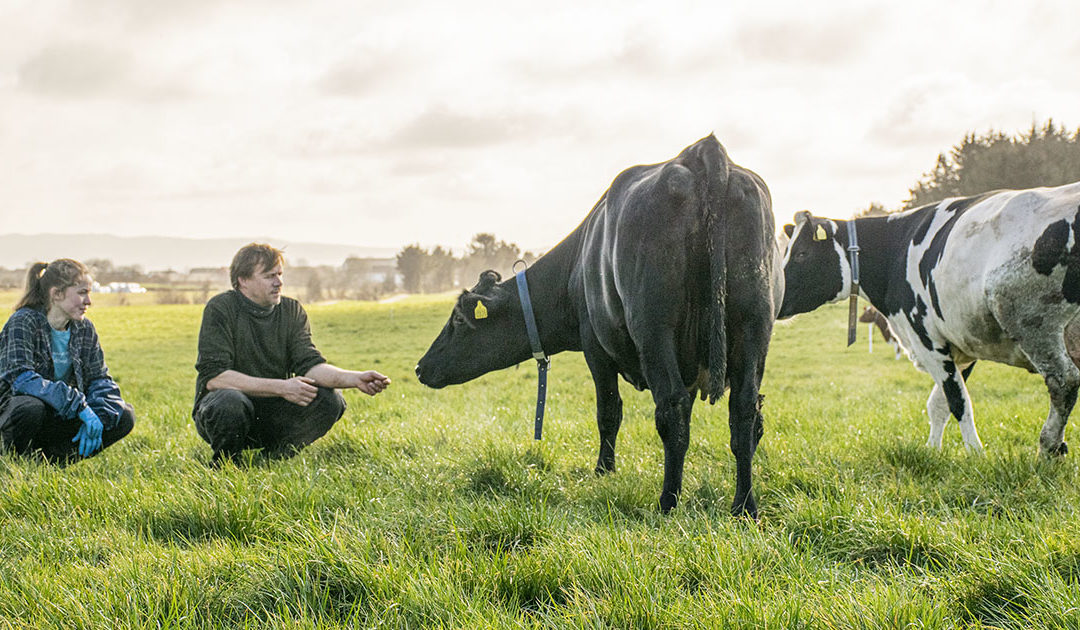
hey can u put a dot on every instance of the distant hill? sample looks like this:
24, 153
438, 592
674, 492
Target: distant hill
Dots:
154, 253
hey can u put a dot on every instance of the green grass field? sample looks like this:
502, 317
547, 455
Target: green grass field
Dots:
427, 508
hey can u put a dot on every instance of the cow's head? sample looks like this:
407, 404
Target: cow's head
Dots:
869, 315
485, 332
815, 268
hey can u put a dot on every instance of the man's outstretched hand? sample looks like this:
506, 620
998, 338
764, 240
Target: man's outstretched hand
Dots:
371, 382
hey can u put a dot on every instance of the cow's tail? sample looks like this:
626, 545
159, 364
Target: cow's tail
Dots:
716, 167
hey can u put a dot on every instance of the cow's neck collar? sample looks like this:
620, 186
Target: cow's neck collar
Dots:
542, 360
853, 259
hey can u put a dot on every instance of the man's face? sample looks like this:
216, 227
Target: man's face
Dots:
264, 286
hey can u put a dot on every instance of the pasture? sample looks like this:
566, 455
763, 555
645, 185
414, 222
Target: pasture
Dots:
427, 508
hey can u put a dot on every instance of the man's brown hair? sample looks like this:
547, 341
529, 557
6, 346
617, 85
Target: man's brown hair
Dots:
249, 259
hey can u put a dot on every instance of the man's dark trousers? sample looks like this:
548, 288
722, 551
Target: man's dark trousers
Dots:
232, 421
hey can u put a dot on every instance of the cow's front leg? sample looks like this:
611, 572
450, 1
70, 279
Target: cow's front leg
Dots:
951, 382
937, 409
608, 408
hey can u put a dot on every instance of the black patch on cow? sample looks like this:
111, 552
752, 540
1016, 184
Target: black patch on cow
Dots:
960, 205
1049, 250
967, 370
916, 318
936, 250
951, 387
1070, 286
926, 217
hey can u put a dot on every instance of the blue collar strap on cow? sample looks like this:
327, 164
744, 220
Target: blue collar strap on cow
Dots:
542, 360
853, 302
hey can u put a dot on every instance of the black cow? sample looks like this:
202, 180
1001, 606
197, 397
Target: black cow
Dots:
994, 276
672, 281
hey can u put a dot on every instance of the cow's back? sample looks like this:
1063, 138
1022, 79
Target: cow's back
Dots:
982, 264
643, 256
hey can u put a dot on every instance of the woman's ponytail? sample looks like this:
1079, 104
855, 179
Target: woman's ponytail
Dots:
41, 278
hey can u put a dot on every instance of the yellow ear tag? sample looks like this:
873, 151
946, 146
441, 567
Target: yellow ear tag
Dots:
481, 311
820, 235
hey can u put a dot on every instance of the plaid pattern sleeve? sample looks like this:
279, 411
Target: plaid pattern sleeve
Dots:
20, 345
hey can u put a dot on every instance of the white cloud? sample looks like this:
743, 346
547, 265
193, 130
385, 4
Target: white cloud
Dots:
402, 122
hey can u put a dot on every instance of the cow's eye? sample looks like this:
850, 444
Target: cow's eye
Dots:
801, 256
459, 319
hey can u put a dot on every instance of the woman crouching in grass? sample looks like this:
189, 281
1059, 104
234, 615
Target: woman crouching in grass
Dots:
56, 396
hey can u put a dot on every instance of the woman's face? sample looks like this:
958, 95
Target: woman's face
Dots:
73, 301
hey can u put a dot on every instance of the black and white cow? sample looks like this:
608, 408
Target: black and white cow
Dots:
994, 276
672, 281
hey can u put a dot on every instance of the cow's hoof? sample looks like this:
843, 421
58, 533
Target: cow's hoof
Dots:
603, 469
745, 512
747, 508
1057, 451
667, 502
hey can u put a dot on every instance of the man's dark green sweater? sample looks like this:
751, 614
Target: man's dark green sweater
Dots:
237, 334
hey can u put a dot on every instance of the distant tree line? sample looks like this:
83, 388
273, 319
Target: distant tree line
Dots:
1047, 155
354, 279
424, 271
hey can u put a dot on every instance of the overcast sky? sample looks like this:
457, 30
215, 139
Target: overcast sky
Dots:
386, 123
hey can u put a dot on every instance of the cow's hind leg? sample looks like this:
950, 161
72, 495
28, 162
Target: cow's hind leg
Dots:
1062, 380
673, 407
745, 368
608, 407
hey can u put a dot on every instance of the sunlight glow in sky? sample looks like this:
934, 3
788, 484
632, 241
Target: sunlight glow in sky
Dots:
385, 123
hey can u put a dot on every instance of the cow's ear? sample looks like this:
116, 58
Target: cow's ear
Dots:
487, 280
802, 216
789, 229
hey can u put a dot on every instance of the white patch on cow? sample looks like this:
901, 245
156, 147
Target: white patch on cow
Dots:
994, 305
799, 224
845, 267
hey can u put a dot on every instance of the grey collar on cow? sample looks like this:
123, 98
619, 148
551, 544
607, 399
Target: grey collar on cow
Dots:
853, 303
542, 360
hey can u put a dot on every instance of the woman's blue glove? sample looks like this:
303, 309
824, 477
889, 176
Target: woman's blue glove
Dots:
89, 435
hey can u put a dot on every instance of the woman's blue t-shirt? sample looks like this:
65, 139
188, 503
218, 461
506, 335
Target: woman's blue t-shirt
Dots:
61, 358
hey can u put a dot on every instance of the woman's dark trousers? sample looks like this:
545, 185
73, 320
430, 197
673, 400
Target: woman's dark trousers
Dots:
28, 425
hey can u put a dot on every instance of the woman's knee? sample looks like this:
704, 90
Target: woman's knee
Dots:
126, 422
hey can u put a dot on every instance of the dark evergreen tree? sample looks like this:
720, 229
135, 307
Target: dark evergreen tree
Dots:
1043, 156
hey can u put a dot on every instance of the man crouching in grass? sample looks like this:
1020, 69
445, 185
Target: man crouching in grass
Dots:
262, 383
